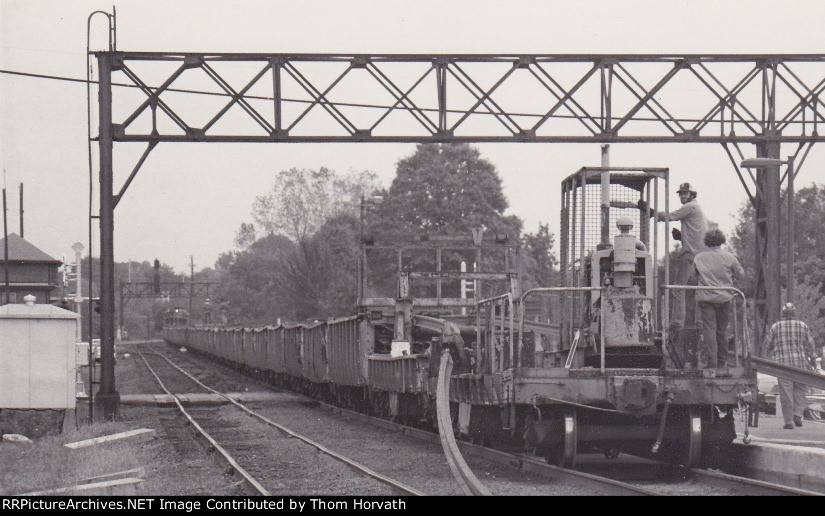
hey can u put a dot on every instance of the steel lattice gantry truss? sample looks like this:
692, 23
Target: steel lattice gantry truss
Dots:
475, 98
216, 97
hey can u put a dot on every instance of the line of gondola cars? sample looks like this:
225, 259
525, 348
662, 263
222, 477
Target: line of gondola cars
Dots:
333, 360
609, 377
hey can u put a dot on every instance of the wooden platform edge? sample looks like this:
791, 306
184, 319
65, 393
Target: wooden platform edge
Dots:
120, 486
139, 435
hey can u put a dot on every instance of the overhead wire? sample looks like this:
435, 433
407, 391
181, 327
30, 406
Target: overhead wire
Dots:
343, 104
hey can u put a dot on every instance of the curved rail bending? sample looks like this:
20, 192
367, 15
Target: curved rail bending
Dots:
248, 479
349, 462
462, 473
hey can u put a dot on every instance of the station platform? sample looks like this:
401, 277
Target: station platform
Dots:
792, 457
811, 433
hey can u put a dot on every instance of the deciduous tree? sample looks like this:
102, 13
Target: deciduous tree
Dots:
539, 259
318, 277
301, 200
248, 281
809, 243
245, 235
446, 188
809, 253
442, 189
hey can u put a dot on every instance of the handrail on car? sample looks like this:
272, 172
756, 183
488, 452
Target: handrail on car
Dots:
489, 301
745, 338
552, 289
665, 329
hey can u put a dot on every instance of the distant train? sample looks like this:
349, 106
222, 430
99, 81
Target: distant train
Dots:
608, 378
175, 318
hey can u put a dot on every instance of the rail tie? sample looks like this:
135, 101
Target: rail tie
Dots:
349, 462
248, 479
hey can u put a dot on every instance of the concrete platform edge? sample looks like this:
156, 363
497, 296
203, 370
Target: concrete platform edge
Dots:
797, 466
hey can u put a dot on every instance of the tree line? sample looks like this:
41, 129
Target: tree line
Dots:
298, 258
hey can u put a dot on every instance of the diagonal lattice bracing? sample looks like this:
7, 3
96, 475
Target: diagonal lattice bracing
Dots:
402, 98
237, 98
634, 98
566, 99
809, 106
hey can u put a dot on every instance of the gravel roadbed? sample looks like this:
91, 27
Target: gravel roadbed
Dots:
416, 463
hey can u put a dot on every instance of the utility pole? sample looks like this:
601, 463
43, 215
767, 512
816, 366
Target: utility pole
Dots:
791, 281
21, 210
119, 335
108, 399
78, 293
6, 245
362, 256
361, 252
191, 282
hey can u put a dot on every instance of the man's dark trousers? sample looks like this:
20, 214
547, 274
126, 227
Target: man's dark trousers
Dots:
713, 351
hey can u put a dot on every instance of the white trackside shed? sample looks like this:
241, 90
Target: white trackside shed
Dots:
37, 357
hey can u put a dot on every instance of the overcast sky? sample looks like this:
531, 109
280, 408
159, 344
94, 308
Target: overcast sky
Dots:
189, 199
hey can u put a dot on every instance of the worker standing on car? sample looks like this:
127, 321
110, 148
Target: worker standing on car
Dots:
715, 268
692, 236
791, 343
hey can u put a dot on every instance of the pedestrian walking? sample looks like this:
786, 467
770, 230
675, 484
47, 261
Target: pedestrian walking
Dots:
790, 342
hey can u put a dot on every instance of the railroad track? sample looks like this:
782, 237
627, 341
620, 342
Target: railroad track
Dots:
216, 431
747, 486
674, 480
522, 462
603, 483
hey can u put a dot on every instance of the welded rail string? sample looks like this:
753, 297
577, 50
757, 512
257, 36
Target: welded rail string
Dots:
468, 482
349, 462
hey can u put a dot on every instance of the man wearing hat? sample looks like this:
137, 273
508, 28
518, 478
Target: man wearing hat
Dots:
692, 235
791, 343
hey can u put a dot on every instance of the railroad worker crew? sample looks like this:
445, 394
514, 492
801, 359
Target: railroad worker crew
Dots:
791, 343
694, 227
715, 268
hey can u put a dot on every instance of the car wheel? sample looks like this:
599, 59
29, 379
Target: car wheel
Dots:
814, 415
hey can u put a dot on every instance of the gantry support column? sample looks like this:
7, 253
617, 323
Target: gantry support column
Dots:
767, 295
107, 399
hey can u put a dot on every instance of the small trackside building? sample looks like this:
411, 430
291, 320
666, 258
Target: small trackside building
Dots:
31, 271
37, 358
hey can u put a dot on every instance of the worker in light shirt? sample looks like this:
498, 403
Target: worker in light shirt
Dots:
715, 268
694, 227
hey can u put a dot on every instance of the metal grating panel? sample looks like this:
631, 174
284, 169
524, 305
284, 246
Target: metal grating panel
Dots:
592, 216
